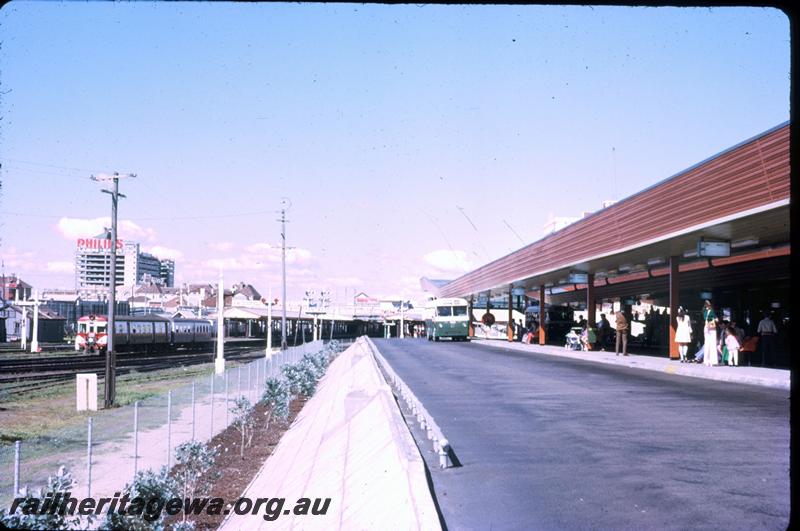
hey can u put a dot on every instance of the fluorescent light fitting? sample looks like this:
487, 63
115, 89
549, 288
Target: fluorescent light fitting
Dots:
655, 261
625, 267
690, 254
748, 242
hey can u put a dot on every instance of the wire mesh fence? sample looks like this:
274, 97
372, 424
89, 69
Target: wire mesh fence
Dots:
104, 453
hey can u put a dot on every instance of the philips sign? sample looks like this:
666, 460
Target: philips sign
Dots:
99, 244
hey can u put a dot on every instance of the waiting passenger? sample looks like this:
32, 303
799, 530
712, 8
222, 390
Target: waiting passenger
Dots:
622, 332
588, 338
603, 331
733, 346
683, 333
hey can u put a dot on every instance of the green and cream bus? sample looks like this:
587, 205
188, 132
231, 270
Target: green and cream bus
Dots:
447, 318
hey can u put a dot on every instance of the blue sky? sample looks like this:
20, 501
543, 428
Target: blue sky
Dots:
377, 121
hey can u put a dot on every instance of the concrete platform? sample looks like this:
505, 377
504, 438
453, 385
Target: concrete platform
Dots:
350, 444
777, 378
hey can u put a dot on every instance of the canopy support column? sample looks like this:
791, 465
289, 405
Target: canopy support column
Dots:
510, 328
542, 313
591, 302
673, 305
470, 326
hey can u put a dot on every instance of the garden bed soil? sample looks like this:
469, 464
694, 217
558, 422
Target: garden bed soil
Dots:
234, 473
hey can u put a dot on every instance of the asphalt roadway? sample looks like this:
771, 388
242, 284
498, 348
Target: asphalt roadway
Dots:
556, 443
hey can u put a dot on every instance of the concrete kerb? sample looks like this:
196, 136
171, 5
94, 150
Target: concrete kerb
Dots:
764, 377
441, 444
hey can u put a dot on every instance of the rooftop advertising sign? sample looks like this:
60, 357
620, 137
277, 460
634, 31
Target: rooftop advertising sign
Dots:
97, 244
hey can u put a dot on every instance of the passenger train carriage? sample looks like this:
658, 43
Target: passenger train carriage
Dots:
143, 333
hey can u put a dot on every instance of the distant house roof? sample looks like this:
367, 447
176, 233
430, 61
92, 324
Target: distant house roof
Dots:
211, 302
195, 288
363, 298
247, 290
150, 288
44, 313
13, 281
47, 313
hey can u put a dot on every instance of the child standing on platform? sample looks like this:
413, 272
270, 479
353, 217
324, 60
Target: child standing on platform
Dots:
732, 342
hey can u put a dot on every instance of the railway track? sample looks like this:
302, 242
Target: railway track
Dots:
23, 375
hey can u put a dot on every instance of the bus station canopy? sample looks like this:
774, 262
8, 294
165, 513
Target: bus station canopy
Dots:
740, 196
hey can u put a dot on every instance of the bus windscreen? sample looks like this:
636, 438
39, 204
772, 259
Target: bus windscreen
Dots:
459, 311
443, 311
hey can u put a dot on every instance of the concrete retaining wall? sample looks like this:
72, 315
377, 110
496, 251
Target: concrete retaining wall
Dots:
350, 443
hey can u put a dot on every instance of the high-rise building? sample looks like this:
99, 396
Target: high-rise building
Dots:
168, 273
149, 266
93, 264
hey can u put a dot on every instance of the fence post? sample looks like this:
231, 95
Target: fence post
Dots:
17, 455
193, 410
249, 386
135, 438
239, 384
89, 458
226, 398
169, 429
212, 406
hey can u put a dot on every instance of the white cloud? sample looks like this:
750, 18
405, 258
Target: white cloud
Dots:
447, 261
72, 228
165, 252
61, 266
221, 246
129, 229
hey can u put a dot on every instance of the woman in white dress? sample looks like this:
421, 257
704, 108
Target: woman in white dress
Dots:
683, 333
710, 329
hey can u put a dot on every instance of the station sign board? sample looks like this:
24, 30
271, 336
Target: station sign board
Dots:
578, 278
362, 299
713, 249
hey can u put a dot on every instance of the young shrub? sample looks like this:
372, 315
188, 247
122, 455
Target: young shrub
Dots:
276, 398
147, 485
293, 377
62, 483
243, 420
309, 376
192, 459
182, 526
334, 347
317, 363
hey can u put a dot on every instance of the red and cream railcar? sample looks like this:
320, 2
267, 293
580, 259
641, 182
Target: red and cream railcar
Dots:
143, 333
